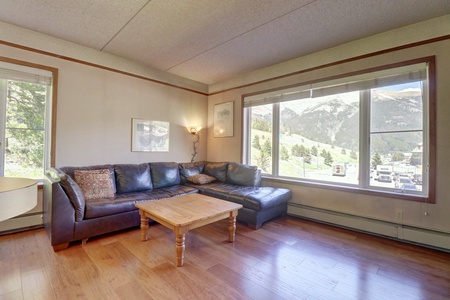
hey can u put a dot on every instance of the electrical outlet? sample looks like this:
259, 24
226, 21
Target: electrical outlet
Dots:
399, 214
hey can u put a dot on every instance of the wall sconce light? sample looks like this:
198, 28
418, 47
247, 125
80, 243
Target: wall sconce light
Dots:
194, 131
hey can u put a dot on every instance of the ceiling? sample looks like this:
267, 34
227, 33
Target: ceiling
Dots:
213, 40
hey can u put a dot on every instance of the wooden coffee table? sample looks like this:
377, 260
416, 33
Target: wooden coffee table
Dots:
187, 212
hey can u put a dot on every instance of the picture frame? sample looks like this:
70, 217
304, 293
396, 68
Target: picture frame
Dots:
224, 119
149, 136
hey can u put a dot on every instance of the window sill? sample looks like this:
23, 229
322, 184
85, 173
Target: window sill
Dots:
352, 189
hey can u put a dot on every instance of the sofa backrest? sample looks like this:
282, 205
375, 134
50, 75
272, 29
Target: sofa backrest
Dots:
241, 174
190, 169
164, 174
133, 178
217, 170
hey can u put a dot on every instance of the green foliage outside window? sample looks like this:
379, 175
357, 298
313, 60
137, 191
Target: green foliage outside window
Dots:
25, 113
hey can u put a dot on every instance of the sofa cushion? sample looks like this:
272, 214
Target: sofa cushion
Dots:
94, 184
260, 198
217, 170
133, 178
165, 174
254, 198
241, 174
201, 179
75, 195
179, 190
190, 169
121, 203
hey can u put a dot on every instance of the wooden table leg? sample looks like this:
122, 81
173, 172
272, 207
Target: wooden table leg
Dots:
232, 225
144, 225
180, 249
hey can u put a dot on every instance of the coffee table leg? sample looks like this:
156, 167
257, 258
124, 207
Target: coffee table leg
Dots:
180, 249
232, 225
144, 225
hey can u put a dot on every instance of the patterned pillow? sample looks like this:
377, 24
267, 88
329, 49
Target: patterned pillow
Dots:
200, 179
94, 183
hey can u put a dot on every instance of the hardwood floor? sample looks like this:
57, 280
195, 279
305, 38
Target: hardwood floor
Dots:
287, 258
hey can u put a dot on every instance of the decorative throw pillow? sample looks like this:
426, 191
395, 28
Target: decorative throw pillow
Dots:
94, 183
201, 179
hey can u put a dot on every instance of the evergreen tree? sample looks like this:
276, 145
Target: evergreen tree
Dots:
284, 154
263, 160
398, 156
267, 148
302, 151
376, 160
256, 143
307, 156
314, 151
328, 159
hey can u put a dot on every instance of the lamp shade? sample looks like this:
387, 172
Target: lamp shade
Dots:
17, 196
194, 129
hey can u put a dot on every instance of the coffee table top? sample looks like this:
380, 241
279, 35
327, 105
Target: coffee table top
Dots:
187, 209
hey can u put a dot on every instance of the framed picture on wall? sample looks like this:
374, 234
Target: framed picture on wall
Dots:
150, 136
224, 119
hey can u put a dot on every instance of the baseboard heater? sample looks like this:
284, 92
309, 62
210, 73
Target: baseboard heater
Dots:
424, 237
21, 223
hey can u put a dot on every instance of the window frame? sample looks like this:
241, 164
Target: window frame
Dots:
51, 111
429, 136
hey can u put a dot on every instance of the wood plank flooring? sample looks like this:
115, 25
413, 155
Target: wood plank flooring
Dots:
288, 258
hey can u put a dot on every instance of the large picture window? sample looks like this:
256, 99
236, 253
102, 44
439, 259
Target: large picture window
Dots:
25, 127
368, 131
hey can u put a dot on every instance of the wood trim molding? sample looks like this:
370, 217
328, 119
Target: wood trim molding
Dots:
86, 63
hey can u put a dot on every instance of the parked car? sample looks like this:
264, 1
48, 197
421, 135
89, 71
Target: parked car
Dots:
409, 186
401, 181
384, 178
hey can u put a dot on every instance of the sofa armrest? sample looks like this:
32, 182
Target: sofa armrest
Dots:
54, 174
59, 213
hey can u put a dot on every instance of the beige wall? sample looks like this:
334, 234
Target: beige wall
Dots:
373, 207
95, 106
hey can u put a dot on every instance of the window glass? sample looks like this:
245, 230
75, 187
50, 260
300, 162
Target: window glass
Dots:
319, 138
24, 130
396, 137
261, 137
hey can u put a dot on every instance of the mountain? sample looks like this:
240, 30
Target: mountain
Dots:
335, 120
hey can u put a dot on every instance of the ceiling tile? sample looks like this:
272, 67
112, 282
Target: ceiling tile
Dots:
321, 25
169, 32
90, 23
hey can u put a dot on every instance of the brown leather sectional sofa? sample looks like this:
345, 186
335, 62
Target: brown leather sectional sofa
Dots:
68, 216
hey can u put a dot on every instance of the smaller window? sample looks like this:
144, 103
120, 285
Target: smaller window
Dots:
25, 99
